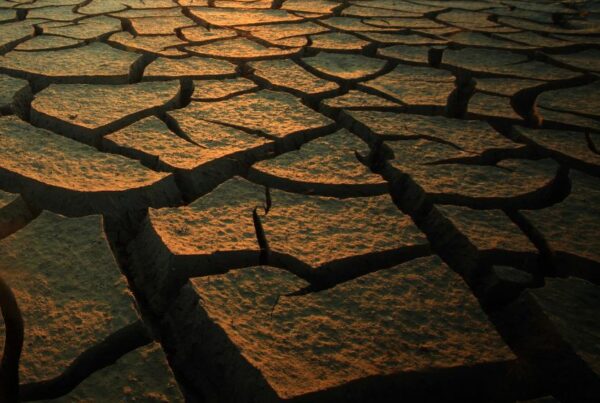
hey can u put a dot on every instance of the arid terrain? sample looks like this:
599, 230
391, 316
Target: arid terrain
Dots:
300, 200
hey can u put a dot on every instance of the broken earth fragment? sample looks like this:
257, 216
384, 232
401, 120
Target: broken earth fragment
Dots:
15, 95
276, 114
72, 296
321, 344
87, 112
216, 90
191, 67
337, 66
94, 63
14, 213
414, 86
488, 230
288, 75
580, 209
325, 166
241, 49
571, 304
73, 178
334, 229
471, 136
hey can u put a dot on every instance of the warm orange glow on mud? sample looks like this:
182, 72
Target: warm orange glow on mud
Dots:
300, 200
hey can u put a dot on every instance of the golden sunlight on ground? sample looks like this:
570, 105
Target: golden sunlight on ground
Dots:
300, 200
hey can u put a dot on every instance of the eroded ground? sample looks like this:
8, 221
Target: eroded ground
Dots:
302, 200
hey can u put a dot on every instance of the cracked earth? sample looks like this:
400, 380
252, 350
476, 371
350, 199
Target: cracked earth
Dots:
301, 200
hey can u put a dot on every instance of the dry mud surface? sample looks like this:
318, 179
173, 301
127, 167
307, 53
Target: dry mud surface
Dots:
302, 200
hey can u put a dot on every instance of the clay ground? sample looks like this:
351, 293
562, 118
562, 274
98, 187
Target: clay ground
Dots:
301, 200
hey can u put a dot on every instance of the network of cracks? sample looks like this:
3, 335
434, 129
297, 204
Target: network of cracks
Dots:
301, 200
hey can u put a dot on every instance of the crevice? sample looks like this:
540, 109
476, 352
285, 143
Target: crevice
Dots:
173, 125
564, 159
458, 100
547, 255
136, 70
520, 321
344, 270
187, 90
492, 157
524, 101
261, 238
590, 142
13, 344
339, 191
16, 215
102, 355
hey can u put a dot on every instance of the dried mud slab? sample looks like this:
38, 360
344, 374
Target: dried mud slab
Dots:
217, 90
241, 49
286, 34
488, 230
217, 233
211, 235
583, 100
414, 86
566, 120
355, 99
586, 60
354, 25
416, 8
485, 106
94, 63
103, 6
572, 148
47, 42
87, 29
450, 164
504, 63
8, 15
159, 25
15, 94
72, 178
14, 213
12, 33
275, 114
151, 141
57, 13
579, 211
324, 232
87, 112
404, 53
338, 42
199, 34
572, 306
466, 183
339, 67
363, 11
466, 136
72, 296
223, 150
326, 345
288, 75
191, 67
477, 39
232, 17
325, 166
507, 87
403, 39
313, 6
225, 213
156, 45
244, 155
